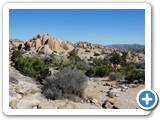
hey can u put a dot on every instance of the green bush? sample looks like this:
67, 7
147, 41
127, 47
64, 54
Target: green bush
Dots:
32, 67
67, 83
73, 57
136, 75
58, 62
115, 58
115, 76
102, 71
15, 55
91, 72
98, 71
140, 65
100, 61
129, 68
81, 65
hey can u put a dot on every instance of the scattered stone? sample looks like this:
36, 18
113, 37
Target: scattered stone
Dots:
107, 84
111, 100
27, 103
107, 105
121, 81
112, 94
35, 107
135, 81
117, 95
123, 90
115, 86
131, 85
123, 87
94, 101
135, 86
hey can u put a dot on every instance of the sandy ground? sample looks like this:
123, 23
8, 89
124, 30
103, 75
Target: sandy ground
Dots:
126, 100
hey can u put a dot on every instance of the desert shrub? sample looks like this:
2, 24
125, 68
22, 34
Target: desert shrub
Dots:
66, 84
91, 71
31, 66
140, 65
73, 57
136, 75
129, 68
16, 54
82, 65
100, 61
102, 71
98, 71
115, 76
58, 62
115, 58
137, 65
96, 54
87, 50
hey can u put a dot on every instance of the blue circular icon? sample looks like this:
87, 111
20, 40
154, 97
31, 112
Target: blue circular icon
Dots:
147, 99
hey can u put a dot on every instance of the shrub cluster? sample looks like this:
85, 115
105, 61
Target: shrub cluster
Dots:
67, 83
32, 67
136, 75
98, 71
116, 58
100, 61
58, 62
74, 58
15, 55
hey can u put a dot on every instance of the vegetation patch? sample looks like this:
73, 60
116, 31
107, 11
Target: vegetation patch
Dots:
28, 66
67, 83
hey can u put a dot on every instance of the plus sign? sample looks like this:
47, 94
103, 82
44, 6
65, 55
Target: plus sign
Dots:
147, 99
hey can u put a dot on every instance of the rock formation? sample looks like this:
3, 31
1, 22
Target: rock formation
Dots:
45, 43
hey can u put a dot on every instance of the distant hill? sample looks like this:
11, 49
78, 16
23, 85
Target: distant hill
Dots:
128, 46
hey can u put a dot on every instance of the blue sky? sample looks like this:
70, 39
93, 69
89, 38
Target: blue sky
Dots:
112, 26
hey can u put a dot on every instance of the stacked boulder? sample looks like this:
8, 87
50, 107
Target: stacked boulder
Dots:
46, 44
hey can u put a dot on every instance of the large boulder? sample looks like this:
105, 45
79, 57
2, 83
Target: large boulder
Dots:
45, 50
38, 44
47, 44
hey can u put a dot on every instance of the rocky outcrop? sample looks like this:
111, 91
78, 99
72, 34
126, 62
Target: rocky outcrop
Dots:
134, 56
45, 43
87, 45
15, 44
127, 55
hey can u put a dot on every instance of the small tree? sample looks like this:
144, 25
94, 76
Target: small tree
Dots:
115, 58
74, 58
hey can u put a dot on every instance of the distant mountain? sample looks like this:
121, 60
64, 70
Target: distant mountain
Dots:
128, 46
